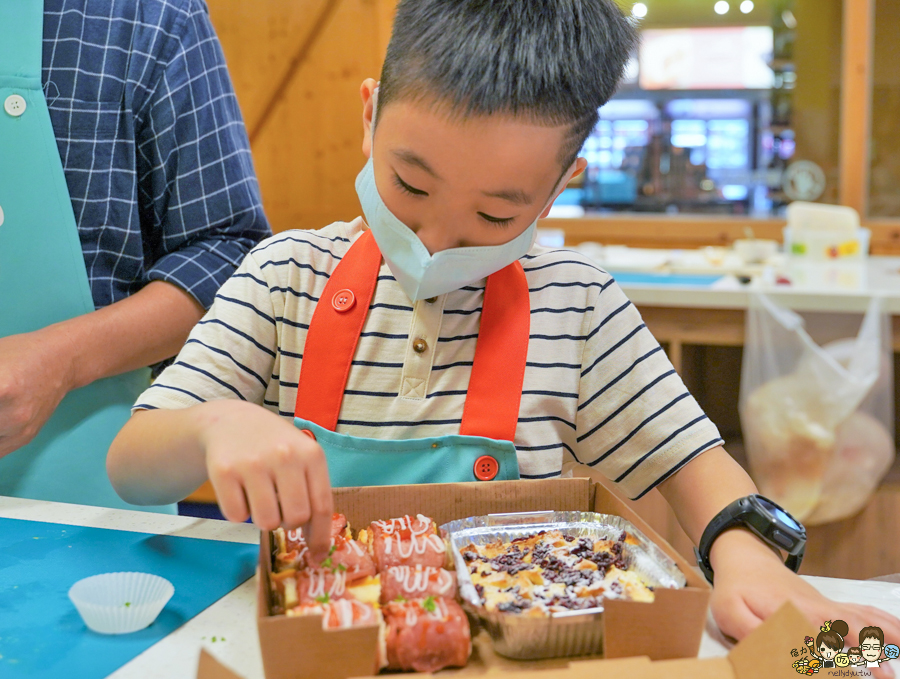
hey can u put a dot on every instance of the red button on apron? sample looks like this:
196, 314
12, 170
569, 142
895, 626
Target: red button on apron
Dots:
343, 300
486, 468
308, 433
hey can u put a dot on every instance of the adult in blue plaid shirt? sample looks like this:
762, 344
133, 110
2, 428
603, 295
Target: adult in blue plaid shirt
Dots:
158, 169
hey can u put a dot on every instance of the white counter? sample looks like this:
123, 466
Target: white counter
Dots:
815, 286
231, 620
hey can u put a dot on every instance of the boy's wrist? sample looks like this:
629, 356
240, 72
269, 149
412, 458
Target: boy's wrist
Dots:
738, 548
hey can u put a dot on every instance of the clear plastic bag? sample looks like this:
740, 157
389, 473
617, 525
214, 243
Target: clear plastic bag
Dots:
817, 420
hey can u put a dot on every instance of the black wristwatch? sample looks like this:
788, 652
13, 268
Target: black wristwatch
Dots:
772, 524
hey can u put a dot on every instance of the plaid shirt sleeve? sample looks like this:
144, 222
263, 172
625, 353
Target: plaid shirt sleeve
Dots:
197, 192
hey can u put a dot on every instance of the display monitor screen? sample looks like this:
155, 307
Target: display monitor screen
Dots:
706, 58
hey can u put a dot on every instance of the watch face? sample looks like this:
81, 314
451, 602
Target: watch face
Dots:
780, 515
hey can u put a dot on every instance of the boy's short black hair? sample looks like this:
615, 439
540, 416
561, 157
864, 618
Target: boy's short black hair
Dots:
554, 62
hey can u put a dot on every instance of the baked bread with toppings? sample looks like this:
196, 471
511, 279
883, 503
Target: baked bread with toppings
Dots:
552, 571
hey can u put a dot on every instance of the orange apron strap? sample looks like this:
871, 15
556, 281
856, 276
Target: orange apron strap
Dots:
334, 333
495, 387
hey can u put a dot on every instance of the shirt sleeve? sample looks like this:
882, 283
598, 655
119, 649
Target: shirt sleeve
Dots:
200, 205
636, 421
230, 353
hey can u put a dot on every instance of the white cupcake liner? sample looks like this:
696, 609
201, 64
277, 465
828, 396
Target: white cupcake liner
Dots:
119, 603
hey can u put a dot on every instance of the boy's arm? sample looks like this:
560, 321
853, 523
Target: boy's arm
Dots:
751, 580
261, 466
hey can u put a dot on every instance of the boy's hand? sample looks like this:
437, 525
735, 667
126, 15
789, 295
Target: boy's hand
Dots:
751, 583
263, 467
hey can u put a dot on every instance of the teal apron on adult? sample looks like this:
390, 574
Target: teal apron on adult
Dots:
483, 450
43, 281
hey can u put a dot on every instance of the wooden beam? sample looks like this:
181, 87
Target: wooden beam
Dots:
856, 103
294, 65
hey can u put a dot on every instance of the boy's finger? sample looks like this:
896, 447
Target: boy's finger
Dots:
263, 502
293, 496
321, 506
231, 498
735, 618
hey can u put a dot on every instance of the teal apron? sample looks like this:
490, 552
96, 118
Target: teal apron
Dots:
483, 450
43, 281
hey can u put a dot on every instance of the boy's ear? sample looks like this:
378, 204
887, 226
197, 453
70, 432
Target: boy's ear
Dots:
366, 92
577, 168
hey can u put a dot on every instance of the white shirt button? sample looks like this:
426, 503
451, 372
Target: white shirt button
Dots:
14, 105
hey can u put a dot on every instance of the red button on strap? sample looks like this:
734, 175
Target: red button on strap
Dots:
308, 433
343, 300
486, 468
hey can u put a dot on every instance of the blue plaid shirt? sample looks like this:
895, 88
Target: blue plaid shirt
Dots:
152, 142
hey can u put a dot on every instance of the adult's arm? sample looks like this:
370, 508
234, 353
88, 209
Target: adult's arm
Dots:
38, 369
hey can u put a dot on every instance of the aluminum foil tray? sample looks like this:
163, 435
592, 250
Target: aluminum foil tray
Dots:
563, 634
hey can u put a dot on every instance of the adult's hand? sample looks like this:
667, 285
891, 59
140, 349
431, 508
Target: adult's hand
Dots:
37, 369
35, 375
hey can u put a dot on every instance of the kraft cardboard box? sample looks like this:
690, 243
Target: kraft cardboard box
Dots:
298, 648
766, 652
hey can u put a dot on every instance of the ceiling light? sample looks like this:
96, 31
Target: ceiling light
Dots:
722, 7
639, 10
747, 6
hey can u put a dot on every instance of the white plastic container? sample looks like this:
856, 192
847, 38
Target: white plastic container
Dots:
119, 603
825, 244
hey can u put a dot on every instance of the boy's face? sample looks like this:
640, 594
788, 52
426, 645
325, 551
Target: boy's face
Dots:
461, 183
855, 658
871, 649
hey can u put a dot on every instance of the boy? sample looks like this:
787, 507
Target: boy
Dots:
481, 112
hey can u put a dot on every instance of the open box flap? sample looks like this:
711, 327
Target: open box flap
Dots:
766, 651
210, 668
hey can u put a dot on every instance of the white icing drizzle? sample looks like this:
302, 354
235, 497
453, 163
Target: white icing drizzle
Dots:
439, 614
344, 610
316, 587
420, 577
419, 527
417, 543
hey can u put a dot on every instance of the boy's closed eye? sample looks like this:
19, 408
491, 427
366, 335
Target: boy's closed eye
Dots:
407, 188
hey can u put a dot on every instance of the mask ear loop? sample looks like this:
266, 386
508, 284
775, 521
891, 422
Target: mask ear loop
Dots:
374, 108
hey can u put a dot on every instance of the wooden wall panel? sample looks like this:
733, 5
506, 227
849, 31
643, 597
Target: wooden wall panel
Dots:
297, 66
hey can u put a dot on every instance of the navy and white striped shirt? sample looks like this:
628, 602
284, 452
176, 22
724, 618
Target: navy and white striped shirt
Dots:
598, 388
152, 143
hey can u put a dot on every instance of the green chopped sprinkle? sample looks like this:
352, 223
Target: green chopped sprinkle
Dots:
324, 599
429, 604
400, 599
331, 551
341, 567
327, 563
214, 640
127, 604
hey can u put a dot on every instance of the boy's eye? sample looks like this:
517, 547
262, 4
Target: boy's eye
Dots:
403, 186
498, 221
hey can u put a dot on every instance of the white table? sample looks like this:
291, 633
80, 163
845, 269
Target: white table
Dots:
232, 619
815, 286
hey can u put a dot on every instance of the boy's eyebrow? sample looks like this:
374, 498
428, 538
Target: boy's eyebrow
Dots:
514, 196
411, 158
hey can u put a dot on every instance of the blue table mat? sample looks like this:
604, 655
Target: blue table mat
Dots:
635, 278
41, 633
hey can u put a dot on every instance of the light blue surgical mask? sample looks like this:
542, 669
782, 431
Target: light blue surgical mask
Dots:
421, 274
